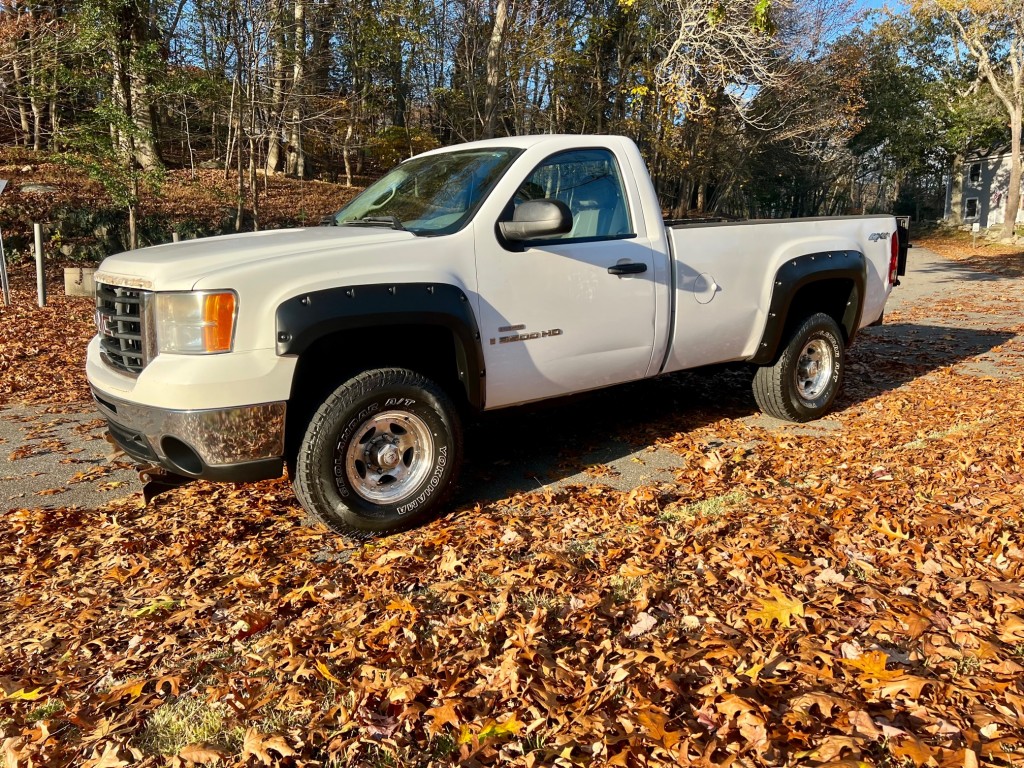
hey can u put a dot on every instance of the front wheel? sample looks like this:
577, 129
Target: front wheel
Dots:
806, 378
381, 453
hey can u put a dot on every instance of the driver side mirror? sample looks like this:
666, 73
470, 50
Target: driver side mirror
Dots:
536, 219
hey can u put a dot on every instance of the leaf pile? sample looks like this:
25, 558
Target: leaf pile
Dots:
843, 594
199, 196
42, 350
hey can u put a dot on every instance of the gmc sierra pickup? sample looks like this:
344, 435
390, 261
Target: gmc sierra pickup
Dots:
469, 278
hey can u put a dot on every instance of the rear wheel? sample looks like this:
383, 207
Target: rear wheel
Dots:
380, 454
808, 374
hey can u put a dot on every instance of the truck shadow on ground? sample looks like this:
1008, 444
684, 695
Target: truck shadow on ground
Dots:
523, 449
983, 267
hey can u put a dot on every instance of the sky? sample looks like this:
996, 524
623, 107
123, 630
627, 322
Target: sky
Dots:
877, 5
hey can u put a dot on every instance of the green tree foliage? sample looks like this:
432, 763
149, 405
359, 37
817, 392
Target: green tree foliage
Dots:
750, 108
990, 35
925, 108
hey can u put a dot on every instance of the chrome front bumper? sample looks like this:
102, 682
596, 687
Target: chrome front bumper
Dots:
228, 444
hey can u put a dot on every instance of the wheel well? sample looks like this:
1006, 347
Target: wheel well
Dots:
836, 297
335, 358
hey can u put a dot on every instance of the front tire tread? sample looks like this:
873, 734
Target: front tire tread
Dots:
324, 427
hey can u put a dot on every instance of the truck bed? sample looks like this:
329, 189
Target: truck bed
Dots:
724, 285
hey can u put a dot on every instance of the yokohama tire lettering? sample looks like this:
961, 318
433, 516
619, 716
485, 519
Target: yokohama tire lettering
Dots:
837, 353
432, 484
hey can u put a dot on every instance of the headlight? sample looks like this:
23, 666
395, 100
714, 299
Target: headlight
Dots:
195, 323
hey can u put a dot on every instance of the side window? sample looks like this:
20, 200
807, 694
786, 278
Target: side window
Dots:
971, 208
589, 182
975, 173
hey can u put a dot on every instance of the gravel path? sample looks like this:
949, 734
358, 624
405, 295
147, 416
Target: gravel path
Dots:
57, 457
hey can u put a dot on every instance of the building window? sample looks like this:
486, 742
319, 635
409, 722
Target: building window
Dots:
971, 208
975, 174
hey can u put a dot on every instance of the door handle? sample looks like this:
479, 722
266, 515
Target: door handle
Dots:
630, 268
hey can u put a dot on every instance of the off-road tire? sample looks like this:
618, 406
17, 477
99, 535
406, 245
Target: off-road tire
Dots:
787, 390
382, 453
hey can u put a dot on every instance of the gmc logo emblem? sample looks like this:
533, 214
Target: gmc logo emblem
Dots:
105, 324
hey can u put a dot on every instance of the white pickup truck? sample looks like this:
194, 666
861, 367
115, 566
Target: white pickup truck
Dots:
470, 278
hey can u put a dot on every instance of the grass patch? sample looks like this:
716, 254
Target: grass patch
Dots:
155, 608
624, 590
711, 508
45, 711
188, 720
580, 549
531, 601
967, 665
956, 429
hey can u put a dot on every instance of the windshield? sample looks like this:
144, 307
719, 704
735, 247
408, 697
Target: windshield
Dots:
432, 195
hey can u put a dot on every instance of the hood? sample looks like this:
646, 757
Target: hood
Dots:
178, 266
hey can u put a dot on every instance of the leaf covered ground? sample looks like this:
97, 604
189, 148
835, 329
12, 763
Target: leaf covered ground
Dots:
186, 198
840, 595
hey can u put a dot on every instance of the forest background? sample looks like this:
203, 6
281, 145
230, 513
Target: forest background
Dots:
754, 108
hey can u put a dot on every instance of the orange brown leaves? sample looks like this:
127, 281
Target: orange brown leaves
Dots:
779, 608
846, 593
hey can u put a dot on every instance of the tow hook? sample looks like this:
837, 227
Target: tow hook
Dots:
156, 480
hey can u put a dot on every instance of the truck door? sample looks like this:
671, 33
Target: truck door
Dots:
573, 312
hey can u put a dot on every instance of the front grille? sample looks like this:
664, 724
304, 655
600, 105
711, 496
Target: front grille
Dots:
120, 315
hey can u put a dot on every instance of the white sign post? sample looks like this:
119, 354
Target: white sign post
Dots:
40, 265
4, 282
975, 229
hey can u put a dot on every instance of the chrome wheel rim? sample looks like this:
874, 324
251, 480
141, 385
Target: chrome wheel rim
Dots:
814, 369
387, 458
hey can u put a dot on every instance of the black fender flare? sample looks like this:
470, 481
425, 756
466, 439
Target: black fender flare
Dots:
802, 271
307, 317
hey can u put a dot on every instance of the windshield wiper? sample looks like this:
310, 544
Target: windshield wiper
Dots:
376, 221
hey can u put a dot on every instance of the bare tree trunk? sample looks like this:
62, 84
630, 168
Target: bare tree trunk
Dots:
241, 183
141, 111
37, 118
119, 95
213, 131
130, 94
276, 98
133, 230
493, 75
1013, 193
956, 189
231, 130
254, 189
188, 139
54, 120
19, 78
346, 154
297, 155
34, 95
